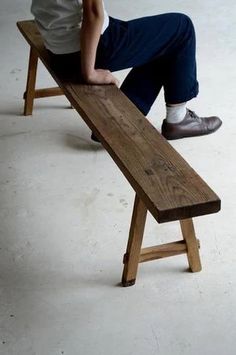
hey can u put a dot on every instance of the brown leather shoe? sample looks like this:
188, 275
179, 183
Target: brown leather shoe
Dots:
94, 138
191, 126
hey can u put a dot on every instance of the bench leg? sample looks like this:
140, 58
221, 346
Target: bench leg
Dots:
192, 244
31, 80
131, 258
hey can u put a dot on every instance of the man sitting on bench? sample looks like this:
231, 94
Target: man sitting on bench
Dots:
84, 43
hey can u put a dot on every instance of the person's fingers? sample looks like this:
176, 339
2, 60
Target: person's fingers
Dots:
103, 76
117, 83
114, 80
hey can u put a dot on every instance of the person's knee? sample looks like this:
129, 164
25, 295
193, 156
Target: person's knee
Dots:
186, 27
186, 22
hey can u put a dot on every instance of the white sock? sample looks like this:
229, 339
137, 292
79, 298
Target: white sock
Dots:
175, 114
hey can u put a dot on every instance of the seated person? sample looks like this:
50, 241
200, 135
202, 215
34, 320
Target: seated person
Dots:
160, 50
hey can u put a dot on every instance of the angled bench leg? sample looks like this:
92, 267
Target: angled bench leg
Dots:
131, 258
192, 244
31, 80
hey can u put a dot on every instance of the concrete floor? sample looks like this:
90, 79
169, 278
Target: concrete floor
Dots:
65, 210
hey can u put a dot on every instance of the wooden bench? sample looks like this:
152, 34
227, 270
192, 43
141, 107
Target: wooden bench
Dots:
163, 181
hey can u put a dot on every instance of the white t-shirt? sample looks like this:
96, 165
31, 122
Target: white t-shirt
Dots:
59, 22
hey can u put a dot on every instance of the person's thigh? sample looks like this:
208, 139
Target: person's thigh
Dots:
127, 44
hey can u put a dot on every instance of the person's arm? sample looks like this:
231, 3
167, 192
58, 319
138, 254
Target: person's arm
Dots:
93, 17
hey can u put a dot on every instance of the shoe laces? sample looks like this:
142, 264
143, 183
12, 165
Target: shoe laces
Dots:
194, 115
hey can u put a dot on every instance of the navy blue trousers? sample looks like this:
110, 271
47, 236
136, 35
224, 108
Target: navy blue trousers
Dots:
161, 52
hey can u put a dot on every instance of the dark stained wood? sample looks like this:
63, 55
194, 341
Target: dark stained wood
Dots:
164, 181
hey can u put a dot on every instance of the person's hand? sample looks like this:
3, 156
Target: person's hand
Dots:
101, 76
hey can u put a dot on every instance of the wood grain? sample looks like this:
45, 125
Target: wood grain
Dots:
165, 182
47, 92
192, 243
31, 80
163, 251
131, 258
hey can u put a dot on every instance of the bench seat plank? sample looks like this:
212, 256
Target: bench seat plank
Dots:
165, 182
